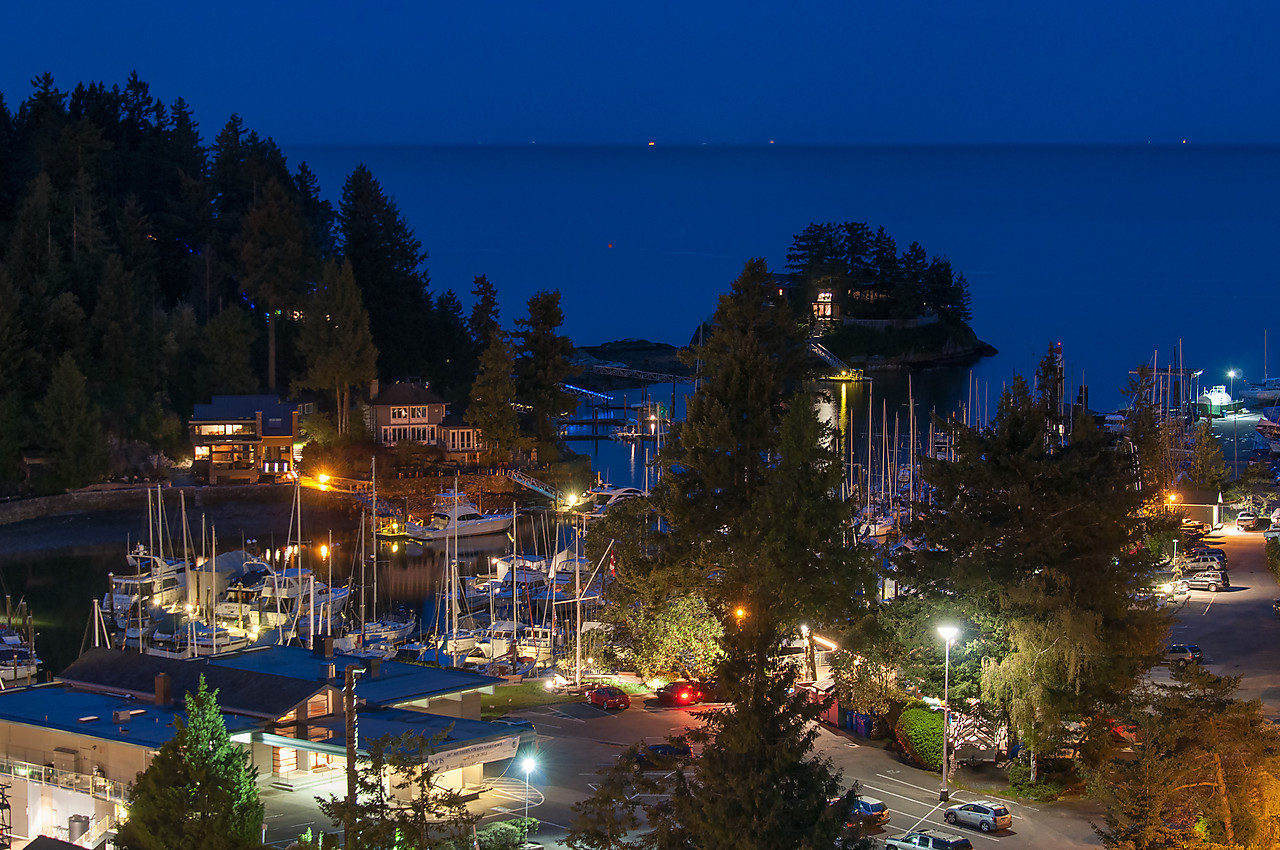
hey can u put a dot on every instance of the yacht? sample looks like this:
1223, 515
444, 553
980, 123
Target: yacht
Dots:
453, 515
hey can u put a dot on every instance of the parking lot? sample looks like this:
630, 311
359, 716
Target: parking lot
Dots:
576, 740
1237, 629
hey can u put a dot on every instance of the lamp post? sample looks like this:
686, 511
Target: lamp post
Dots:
528, 764
1235, 447
948, 634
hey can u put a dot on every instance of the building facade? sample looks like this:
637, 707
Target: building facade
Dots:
246, 439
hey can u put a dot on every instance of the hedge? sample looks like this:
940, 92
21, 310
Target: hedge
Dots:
919, 730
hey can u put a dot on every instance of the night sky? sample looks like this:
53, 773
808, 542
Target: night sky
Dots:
724, 72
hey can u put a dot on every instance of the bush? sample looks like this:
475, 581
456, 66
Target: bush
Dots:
1045, 788
1273, 556
919, 730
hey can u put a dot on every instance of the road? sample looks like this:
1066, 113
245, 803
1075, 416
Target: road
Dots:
577, 740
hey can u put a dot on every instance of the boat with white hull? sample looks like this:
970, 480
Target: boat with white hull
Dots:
453, 515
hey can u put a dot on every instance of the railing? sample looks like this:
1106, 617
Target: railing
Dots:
96, 786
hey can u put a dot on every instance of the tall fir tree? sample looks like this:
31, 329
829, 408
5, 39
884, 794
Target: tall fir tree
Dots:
200, 790
543, 364
336, 344
490, 409
71, 426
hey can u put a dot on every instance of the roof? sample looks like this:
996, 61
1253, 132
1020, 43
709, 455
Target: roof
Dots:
256, 693
406, 394
395, 684
90, 714
454, 732
236, 408
44, 842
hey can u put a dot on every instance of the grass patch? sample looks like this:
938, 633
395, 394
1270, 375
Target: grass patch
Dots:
508, 698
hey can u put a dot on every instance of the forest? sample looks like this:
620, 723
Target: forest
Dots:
143, 270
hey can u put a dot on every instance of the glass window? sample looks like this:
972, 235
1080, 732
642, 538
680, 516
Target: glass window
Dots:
399, 413
419, 413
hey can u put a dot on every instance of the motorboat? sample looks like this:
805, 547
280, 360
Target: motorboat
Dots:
600, 498
1217, 402
453, 515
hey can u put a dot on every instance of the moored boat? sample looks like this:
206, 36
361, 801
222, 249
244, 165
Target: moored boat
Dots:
453, 515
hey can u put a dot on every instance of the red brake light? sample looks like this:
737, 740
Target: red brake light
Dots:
685, 695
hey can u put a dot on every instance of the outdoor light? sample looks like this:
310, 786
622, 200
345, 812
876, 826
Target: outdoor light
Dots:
948, 634
323, 478
324, 551
740, 613
528, 764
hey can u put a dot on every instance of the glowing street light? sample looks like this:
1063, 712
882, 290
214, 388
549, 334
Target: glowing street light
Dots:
528, 764
948, 634
1235, 448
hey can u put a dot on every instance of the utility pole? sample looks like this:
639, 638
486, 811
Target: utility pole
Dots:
353, 746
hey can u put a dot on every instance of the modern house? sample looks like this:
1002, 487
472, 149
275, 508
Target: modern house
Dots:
69, 749
244, 439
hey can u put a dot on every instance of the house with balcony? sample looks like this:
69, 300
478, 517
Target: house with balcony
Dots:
405, 411
70, 748
245, 439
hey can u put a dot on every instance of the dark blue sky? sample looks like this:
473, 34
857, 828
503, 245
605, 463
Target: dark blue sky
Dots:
895, 71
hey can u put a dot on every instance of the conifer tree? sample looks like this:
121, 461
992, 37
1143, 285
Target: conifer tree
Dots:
200, 790
542, 363
492, 394
71, 426
336, 344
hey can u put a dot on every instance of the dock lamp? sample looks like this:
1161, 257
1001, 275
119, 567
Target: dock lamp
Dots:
527, 764
948, 634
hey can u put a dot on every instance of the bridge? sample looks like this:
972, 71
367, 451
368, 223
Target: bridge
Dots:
638, 375
534, 484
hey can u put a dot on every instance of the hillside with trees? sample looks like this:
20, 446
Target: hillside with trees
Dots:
143, 270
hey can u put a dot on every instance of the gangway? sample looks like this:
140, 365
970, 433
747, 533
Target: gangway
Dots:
534, 484
636, 374
585, 393
846, 372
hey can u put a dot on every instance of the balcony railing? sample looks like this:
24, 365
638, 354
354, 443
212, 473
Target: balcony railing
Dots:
85, 783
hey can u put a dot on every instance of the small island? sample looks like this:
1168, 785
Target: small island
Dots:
874, 307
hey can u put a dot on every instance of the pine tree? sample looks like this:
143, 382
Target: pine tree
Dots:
542, 364
200, 790
71, 426
492, 395
276, 259
336, 344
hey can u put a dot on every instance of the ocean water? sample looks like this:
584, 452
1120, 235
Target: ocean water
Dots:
1122, 254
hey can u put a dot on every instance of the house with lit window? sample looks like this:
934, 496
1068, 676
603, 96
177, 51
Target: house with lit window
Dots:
461, 442
245, 439
69, 749
405, 411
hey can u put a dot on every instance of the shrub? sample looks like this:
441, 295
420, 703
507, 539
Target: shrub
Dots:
919, 730
1044, 788
1273, 556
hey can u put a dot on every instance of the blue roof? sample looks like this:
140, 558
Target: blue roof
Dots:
60, 707
277, 417
395, 684
460, 733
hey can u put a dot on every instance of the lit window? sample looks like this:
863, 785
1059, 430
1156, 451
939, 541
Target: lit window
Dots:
399, 413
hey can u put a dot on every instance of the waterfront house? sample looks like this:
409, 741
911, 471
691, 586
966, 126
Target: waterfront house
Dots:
405, 411
244, 439
70, 748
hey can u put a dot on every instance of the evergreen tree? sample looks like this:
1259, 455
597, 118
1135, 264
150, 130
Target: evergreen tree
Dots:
451, 360
387, 259
1208, 470
484, 314
755, 527
542, 364
200, 790
72, 429
276, 259
1044, 536
336, 344
490, 409
226, 342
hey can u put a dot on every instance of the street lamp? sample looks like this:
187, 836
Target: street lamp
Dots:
528, 764
1235, 447
948, 634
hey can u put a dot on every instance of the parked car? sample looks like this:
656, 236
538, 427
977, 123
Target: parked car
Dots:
1204, 561
932, 838
1211, 580
1181, 654
865, 812
663, 756
986, 815
609, 697
1247, 522
1207, 550
681, 693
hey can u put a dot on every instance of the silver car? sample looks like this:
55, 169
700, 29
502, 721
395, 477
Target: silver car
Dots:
986, 815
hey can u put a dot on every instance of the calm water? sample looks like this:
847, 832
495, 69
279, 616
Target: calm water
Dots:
1117, 252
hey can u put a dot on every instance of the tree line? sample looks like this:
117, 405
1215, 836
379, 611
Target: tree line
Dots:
143, 270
